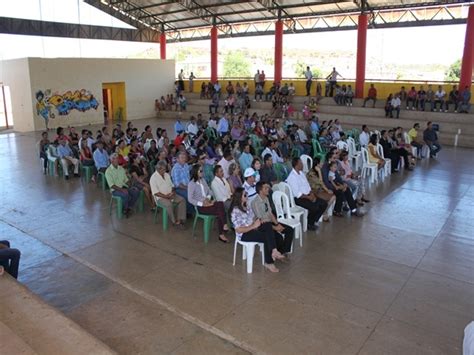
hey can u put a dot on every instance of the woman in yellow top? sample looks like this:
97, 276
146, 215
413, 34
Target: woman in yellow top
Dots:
374, 157
315, 180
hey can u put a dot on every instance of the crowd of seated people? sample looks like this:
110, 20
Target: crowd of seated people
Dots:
227, 165
428, 100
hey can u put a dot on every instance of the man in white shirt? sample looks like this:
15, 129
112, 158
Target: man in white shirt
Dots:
332, 78
225, 162
271, 149
163, 191
90, 140
220, 187
249, 184
364, 136
192, 128
301, 190
395, 105
439, 96
309, 77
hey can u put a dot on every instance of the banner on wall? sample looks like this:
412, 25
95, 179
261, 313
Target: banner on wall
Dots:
49, 104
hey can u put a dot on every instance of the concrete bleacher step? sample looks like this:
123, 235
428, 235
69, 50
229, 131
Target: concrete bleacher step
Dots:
30, 326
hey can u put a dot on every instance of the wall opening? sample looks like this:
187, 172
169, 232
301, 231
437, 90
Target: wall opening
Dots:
115, 104
6, 116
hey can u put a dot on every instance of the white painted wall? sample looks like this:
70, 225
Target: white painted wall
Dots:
145, 80
16, 75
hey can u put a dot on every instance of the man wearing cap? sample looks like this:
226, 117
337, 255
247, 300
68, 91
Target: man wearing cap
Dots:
302, 193
249, 184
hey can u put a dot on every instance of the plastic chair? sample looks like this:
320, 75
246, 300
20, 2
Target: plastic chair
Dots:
368, 168
207, 219
164, 212
407, 139
354, 155
341, 145
297, 212
307, 163
52, 154
248, 251
87, 172
208, 173
388, 162
102, 180
282, 206
281, 171
119, 204
318, 151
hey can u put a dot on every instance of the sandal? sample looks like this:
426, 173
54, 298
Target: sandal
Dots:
271, 268
224, 240
276, 255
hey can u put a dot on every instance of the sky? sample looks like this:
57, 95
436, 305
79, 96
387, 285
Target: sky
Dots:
436, 44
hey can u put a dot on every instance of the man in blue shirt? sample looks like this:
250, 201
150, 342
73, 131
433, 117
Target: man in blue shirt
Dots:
180, 177
223, 126
314, 125
178, 127
67, 158
245, 159
101, 157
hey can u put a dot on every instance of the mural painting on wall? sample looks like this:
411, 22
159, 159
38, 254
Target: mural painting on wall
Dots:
49, 104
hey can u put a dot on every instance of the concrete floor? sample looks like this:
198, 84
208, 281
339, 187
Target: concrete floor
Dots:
398, 281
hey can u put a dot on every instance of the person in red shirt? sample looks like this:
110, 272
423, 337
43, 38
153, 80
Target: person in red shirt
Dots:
372, 95
179, 139
411, 98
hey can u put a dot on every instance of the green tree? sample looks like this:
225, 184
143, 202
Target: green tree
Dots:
236, 65
300, 67
454, 71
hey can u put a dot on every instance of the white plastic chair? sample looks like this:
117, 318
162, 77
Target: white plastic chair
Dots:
341, 145
388, 162
282, 206
370, 168
248, 251
307, 163
354, 155
297, 212
147, 144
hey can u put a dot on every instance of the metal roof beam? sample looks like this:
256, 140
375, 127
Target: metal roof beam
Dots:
16, 26
129, 13
419, 23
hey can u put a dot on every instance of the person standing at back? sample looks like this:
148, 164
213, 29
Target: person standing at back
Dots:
309, 77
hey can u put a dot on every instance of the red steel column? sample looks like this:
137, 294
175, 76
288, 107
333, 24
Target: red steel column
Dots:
213, 54
278, 50
361, 50
468, 55
162, 45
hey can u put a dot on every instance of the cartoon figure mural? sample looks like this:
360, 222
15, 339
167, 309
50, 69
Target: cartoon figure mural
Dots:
80, 100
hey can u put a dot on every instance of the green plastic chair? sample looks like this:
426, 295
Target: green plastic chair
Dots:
208, 173
165, 215
318, 151
87, 172
102, 180
119, 204
208, 222
281, 171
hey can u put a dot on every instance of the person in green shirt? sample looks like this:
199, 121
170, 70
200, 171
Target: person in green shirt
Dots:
119, 184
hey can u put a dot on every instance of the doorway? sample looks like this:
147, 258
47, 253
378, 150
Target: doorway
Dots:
115, 104
6, 117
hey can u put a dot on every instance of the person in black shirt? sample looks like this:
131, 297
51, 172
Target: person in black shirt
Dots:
267, 172
388, 151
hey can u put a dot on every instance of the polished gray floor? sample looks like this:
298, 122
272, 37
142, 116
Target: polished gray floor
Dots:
398, 281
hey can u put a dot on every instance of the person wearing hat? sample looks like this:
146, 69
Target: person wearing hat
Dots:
249, 184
